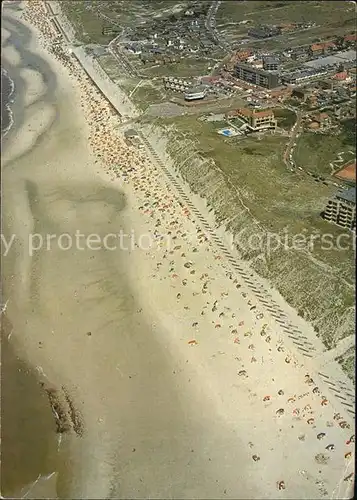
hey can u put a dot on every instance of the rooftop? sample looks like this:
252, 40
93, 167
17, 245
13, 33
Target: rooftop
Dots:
338, 58
270, 60
350, 38
196, 90
130, 133
341, 76
317, 46
347, 173
259, 114
347, 195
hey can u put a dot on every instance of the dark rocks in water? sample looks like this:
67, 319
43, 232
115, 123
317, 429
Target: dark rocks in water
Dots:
75, 415
61, 417
67, 417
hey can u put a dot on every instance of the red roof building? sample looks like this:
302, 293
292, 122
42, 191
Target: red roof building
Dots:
341, 76
350, 38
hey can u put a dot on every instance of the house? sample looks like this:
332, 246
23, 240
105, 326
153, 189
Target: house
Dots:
301, 94
322, 119
350, 38
314, 126
316, 49
343, 75
329, 47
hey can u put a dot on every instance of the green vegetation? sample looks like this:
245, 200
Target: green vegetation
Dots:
285, 117
145, 95
348, 364
315, 152
88, 26
331, 18
349, 133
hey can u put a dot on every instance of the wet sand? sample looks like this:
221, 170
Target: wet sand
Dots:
155, 356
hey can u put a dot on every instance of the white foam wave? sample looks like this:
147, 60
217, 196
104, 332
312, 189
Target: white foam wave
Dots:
5, 74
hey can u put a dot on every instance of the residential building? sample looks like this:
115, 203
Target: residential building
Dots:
316, 49
350, 38
342, 76
299, 77
299, 53
130, 133
195, 93
342, 209
256, 120
242, 55
322, 119
257, 76
270, 63
302, 94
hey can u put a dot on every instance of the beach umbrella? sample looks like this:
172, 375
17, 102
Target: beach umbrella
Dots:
351, 440
344, 425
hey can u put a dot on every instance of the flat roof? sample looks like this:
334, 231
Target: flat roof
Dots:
270, 59
130, 133
338, 58
195, 90
347, 195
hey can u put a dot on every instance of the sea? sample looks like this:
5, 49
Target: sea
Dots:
7, 95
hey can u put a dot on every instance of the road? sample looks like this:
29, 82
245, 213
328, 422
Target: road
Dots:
210, 24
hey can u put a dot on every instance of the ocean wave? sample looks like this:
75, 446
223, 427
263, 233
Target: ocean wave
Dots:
8, 89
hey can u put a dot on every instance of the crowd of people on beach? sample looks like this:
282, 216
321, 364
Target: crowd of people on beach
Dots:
179, 260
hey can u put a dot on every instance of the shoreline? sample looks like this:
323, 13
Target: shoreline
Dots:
199, 379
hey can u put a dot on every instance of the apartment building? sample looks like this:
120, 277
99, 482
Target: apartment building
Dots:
257, 76
271, 63
342, 209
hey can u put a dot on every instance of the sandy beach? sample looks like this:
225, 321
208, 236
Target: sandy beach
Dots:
165, 377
